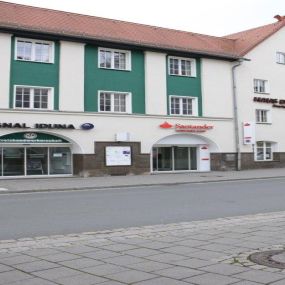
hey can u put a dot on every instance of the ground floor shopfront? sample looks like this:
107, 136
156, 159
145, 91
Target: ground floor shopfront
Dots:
34, 144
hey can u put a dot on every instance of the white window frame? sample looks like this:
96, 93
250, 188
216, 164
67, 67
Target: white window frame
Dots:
280, 57
194, 105
128, 101
33, 41
264, 151
32, 88
266, 86
128, 58
192, 62
267, 116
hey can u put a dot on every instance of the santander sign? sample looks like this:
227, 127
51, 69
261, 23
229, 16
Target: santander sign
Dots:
187, 128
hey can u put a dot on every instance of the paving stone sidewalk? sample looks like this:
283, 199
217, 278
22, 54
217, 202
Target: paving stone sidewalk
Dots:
79, 183
211, 252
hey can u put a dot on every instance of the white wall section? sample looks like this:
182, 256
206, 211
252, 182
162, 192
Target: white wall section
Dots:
155, 83
71, 77
216, 88
5, 65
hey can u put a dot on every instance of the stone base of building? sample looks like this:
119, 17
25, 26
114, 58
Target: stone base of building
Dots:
228, 161
248, 162
86, 165
223, 161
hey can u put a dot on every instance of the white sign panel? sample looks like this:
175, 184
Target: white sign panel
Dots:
248, 133
204, 158
118, 155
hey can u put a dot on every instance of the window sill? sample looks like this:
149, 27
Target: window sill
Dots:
187, 76
268, 160
179, 115
32, 109
110, 112
263, 123
33, 61
115, 69
264, 93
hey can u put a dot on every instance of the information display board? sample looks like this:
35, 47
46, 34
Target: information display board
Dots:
118, 155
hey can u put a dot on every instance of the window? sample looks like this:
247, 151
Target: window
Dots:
263, 151
262, 116
280, 57
261, 86
114, 59
34, 50
182, 66
114, 102
183, 106
38, 98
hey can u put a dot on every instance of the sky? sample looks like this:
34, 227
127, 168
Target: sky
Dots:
211, 17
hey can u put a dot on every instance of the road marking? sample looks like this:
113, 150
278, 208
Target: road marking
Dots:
3, 189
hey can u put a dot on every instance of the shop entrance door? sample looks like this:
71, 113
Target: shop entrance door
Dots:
37, 161
174, 158
181, 158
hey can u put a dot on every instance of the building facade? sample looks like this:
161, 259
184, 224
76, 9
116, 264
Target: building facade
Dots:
88, 96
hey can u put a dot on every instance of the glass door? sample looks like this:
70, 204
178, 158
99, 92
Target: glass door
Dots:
13, 161
60, 160
174, 158
181, 158
193, 158
37, 160
162, 159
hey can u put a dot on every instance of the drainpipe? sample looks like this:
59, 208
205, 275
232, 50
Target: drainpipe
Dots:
236, 121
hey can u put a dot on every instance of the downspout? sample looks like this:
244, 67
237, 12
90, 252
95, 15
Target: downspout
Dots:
236, 121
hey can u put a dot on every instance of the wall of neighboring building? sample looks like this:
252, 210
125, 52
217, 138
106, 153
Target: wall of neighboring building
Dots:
262, 65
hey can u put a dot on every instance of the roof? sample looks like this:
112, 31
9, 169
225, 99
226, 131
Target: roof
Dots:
16, 17
247, 40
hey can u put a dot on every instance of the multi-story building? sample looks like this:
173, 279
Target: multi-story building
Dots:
87, 96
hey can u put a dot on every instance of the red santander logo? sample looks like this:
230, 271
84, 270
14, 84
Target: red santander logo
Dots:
166, 125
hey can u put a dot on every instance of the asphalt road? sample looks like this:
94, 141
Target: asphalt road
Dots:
36, 214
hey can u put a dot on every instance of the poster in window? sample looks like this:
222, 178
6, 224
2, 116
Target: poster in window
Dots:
118, 155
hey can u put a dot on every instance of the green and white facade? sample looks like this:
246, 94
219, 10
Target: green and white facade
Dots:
152, 110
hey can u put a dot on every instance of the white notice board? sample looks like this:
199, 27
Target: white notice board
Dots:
118, 155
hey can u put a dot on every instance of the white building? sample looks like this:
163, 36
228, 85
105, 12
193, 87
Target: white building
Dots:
77, 98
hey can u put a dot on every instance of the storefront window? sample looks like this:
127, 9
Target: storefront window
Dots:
37, 161
1, 172
13, 161
60, 160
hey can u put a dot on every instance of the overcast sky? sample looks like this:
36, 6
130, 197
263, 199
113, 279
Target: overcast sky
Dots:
212, 17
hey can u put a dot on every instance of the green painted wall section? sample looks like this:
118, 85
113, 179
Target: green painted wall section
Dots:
186, 86
113, 80
35, 74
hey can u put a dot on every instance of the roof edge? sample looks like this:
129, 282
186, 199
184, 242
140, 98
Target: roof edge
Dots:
83, 38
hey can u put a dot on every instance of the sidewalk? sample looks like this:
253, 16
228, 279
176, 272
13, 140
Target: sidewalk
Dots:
76, 183
211, 252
